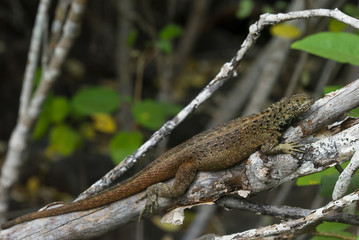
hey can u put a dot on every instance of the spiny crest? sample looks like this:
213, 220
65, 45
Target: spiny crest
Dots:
286, 110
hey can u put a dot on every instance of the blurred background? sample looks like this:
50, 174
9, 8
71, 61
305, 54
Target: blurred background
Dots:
136, 64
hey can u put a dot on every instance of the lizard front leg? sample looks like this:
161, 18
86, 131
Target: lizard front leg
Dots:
271, 146
184, 177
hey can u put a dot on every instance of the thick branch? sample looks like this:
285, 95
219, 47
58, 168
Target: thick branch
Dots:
210, 185
29, 111
257, 174
227, 71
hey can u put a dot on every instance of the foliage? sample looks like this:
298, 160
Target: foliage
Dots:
124, 144
132, 37
244, 9
166, 35
64, 139
331, 88
248, 7
151, 114
315, 178
338, 46
94, 100
70, 122
332, 231
104, 123
285, 30
327, 180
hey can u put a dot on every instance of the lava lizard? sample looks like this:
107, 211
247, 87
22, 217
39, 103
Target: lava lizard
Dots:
215, 149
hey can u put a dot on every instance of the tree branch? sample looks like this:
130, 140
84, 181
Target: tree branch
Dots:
29, 111
292, 228
257, 174
227, 71
282, 212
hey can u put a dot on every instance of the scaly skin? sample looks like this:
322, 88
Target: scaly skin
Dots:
216, 149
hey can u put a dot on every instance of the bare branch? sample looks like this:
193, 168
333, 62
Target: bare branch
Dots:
33, 56
341, 186
57, 25
227, 71
282, 212
242, 177
19, 138
259, 173
9, 171
294, 227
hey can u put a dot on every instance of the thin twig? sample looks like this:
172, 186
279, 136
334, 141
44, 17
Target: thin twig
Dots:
9, 171
293, 227
18, 143
227, 71
33, 56
282, 212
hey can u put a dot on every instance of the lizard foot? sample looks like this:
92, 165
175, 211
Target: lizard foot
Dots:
151, 199
291, 148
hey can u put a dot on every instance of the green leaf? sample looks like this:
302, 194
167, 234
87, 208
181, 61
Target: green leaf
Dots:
266, 9
331, 88
42, 124
330, 226
148, 114
351, 9
354, 112
338, 46
151, 114
170, 109
64, 139
37, 78
131, 38
285, 30
314, 179
354, 181
327, 183
334, 228
327, 180
124, 144
170, 32
281, 5
336, 26
165, 46
59, 109
244, 9
94, 100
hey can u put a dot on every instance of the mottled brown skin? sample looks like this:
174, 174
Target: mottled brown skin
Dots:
215, 149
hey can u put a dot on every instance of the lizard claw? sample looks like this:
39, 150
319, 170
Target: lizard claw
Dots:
151, 200
292, 148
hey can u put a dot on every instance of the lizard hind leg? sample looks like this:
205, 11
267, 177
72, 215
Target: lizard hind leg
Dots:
184, 177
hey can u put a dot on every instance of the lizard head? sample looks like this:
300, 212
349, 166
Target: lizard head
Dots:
289, 109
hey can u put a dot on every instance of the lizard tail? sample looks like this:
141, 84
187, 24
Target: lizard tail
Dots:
132, 186
41, 214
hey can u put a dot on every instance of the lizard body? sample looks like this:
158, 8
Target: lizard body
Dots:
215, 149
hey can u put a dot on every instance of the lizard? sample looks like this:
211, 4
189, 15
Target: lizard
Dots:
215, 149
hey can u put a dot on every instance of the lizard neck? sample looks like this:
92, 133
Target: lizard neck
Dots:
284, 112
